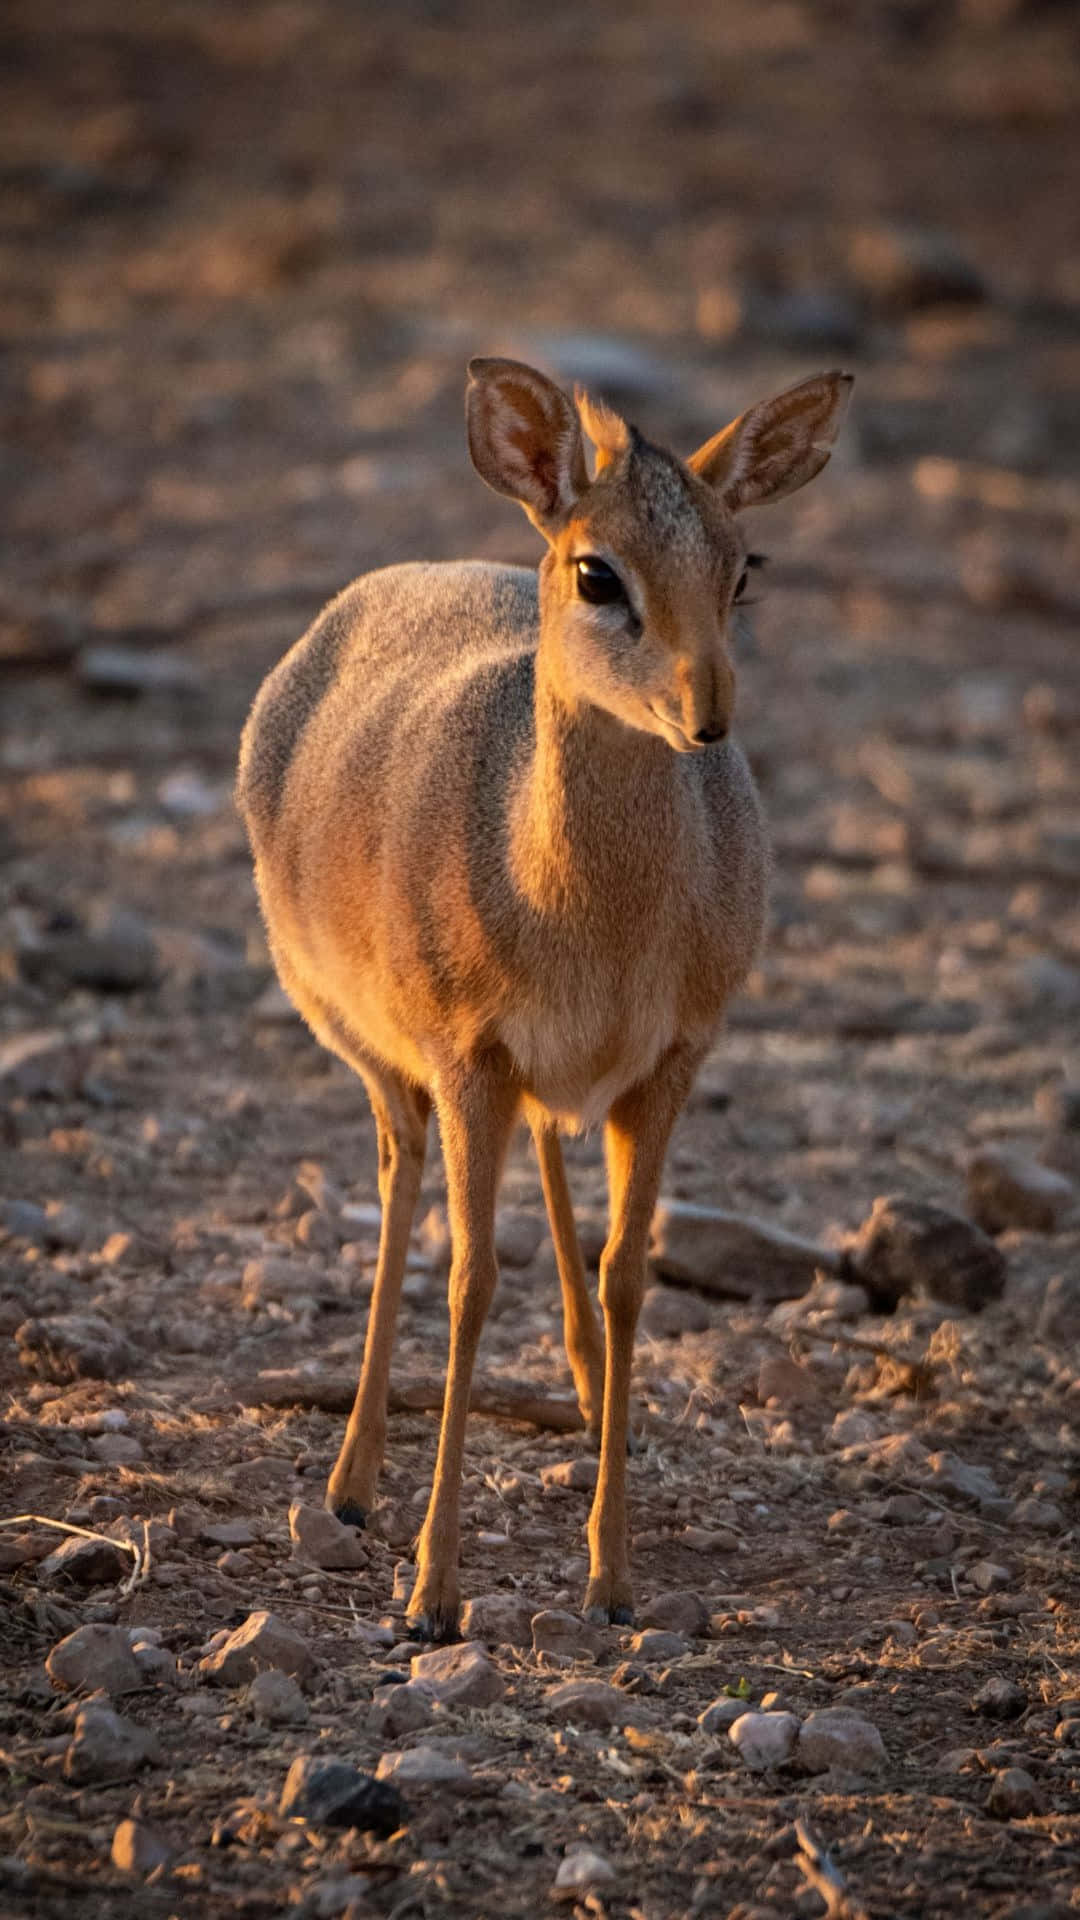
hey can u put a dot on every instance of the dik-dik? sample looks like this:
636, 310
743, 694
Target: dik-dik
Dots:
513, 865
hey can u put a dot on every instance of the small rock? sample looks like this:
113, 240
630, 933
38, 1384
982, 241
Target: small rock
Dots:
986, 1576
581, 1870
262, 1641
95, 1656
585, 1703
105, 1746
116, 1449
657, 1644
580, 1474
975, 1485
785, 1381
276, 1700
1013, 1795
398, 1710
460, 1676
764, 1740
555, 1631
1067, 1733
339, 1896
157, 1665
228, 1533
912, 1247
73, 1346
499, 1619
827, 1300
721, 1714
838, 1737
87, 1563
1007, 1190
734, 1254
127, 672
1059, 1315
1000, 1699
1038, 1516
425, 1767
669, 1312
711, 1540
136, 1848
331, 1793
682, 1613
118, 960
32, 1064
319, 1536
517, 1236
23, 1220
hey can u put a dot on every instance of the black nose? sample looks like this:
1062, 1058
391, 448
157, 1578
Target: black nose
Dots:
705, 736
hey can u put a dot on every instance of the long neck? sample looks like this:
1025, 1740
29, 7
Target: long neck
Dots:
597, 810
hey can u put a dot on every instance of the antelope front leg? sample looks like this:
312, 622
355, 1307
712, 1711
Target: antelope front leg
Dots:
476, 1106
635, 1142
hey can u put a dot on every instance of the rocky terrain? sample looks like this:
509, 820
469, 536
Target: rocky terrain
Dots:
245, 251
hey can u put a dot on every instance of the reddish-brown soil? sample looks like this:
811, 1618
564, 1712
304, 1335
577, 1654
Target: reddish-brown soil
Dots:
245, 250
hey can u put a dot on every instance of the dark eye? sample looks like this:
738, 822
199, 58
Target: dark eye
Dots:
598, 583
741, 585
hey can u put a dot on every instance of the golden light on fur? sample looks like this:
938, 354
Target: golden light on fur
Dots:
513, 866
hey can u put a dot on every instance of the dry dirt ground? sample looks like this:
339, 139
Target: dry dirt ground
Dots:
244, 252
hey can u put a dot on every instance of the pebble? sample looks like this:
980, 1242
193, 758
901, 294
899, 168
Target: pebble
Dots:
499, 1619
913, 1247
1059, 1315
319, 1536
120, 960
585, 1703
420, 1767
555, 1631
682, 1612
1000, 1699
228, 1533
838, 1737
655, 1643
764, 1740
116, 1449
337, 1894
331, 1793
136, 1848
276, 1700
87, 1563
581, 1870
827, 1300
32, 1064
460, 1676
733, 1253
400, 1709
1005, 1189
975, 1485
73, 1346
721, 1714
130, 671
1013, 1795
517, 1236
669, 1312
784, 1381
106, 1747
1038, 1516
157, 1665
987, 1576
579, 1475
262, 1641
95, 1656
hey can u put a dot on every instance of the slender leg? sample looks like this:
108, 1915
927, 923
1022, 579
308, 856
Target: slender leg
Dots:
635, 1141
401, 1116
584, 1346
477, 1104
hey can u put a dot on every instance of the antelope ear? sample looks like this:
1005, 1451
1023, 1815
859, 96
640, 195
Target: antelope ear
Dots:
525, 439
777, 446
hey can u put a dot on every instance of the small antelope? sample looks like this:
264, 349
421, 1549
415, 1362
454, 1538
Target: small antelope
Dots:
513, 864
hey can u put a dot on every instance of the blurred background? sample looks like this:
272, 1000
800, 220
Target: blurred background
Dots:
245, 252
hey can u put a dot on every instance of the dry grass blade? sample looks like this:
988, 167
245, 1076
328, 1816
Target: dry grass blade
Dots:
139, 1570
820, 1873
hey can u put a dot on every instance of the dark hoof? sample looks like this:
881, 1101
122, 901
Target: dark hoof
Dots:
350, 1515
622, 1616
608, 1616
433, 1628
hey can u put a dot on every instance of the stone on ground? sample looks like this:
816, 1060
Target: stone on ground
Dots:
839, 1737
276, 1700
95, 1656
423, 1767
461, 1676
319, 1536
499, 1619
262, 1641
764, 1740
106, 1747
914, 1247
331, 1793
